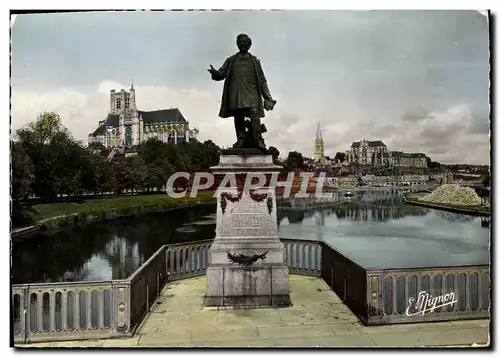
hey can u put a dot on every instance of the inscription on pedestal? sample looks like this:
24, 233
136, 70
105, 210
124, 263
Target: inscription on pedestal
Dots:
246, 233
247, 205
244, 220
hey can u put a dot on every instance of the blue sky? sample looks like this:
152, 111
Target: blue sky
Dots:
418, 80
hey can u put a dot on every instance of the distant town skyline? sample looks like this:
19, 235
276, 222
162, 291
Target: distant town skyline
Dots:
417, 80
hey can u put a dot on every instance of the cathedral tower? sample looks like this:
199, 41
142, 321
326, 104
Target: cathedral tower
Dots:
319, 148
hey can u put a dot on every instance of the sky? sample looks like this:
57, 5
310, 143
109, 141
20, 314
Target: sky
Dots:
417, 80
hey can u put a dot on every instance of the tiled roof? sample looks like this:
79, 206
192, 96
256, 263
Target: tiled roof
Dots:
162, 116
375, 143
112, 120
407, 155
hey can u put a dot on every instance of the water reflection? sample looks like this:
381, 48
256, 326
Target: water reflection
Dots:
373, 227
377, 229
379, 205
105, 250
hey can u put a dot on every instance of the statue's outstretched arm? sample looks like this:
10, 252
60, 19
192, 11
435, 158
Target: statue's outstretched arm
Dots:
221, 73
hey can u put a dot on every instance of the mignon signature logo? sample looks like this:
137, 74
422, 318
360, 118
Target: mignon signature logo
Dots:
427, 303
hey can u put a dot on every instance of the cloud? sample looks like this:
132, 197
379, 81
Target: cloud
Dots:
416, 113
356, 72
447, 136
443, 135
480, 126
77, 112
80, 110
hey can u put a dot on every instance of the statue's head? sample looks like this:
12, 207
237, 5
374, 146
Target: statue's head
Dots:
243, 42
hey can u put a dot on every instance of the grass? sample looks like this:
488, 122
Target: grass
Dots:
75, 213
120, 204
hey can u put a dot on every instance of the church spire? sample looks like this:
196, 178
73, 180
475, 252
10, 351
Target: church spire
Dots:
133, 104
319, 150
318, 132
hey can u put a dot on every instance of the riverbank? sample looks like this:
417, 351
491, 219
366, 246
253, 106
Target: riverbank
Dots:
53, 216
415, 199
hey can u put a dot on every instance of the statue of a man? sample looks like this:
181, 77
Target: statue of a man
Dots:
244, 88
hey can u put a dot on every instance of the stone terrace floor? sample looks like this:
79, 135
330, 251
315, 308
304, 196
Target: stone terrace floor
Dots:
318, 318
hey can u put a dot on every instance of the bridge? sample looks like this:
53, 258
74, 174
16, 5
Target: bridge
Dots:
150, 305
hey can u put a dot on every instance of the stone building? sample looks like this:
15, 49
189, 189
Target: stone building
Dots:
366, 152
126, 126
403, 159
319, 148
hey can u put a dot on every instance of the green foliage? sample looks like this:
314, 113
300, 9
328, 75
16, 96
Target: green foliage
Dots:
432, 164
71, 214
340, 157
294, 161
275, 154
22, 178
49, 163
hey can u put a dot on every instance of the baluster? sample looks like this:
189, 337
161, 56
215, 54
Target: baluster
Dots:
455, 288
297, 260
407, 289
100, 304
177, 261
479, 291
171, 262
306, 257
39, 307
191, 260
76, 293
467, 291
394, 296
88, 301
22, 315
64, 310
314, 258
52, 311
319, 257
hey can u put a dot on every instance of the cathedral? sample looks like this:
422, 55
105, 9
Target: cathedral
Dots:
319, 148
367, 152
127, 127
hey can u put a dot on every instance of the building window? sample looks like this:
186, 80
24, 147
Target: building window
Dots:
118, 103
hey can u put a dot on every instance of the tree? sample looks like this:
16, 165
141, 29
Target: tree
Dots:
432, 164
47, 126
130, 175
22, 176
47, 143
275, 154
294, 161
340, 157
50, 163
211, 153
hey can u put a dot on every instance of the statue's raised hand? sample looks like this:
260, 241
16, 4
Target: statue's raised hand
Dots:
212, 70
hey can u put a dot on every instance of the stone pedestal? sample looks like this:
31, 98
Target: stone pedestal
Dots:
247, 225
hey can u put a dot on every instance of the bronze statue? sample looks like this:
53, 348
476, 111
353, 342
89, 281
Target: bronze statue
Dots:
244, 87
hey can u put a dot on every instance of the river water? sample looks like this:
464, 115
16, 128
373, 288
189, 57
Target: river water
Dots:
374, 228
